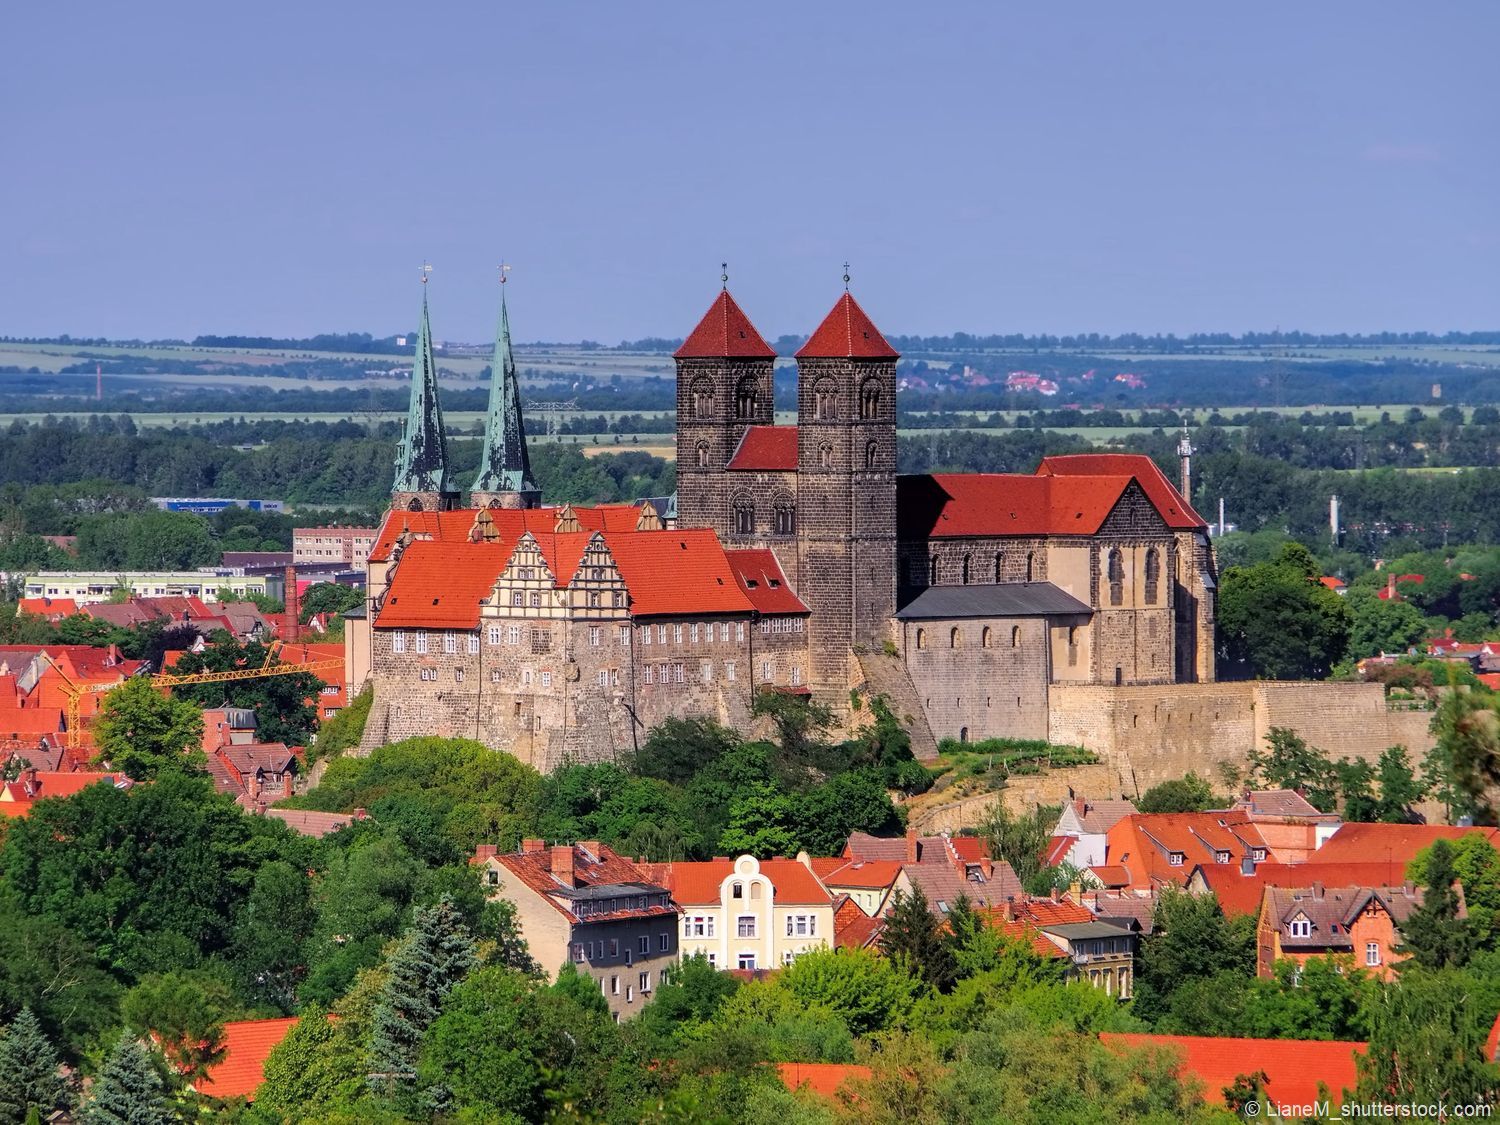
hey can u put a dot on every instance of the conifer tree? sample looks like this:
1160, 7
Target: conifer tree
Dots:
913, 935
1434, 934
128, 1090
28, 1064
436, 954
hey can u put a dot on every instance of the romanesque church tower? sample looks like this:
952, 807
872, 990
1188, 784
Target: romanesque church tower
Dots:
723, 388
504, 479
421, 483
846, 487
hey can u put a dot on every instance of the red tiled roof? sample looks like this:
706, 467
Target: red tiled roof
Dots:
1159, 490
761, 578
852, 927
1142, 844
847, 333
247, 1045
1045, 912
677, 572
1241, 894
1024, 930
306, 822
867, 874
590, 869
725, 332
941, 505
1389, 843
697, 883
823, 1079
1057, 850
29, 722
1293, 1067
47, 607
441, 584
766, 449
1111, 875
1333, 583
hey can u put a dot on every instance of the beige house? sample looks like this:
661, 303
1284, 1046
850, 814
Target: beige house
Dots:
748, 913
585, 904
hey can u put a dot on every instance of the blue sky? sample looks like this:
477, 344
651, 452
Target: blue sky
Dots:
284, 168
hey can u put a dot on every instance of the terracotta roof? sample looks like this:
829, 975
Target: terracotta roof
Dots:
440, 584
247, 757
1294, 1067
677, 572
863, 874
766, 449
852, 927
1334, 583
943, 884
823, 1079
1159, 490
1391, 843
1144, 844
1057, 850
761, 578
1279, 802
697, 883
1239, 893
847, 333
595, 867
30, 722
1045, 912
1111, 875
944, 505
42, 784
47, 607
1492, 1044
241, 1070
725, 332
307, 822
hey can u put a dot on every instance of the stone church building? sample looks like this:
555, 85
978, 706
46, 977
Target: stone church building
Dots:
798, 560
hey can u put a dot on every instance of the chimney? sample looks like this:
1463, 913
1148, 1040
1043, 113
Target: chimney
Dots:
292, 603
987, 869
562, 863
531, 845
590, 846
1056, 894
1317, 890
1409, 889
1010, 908
911, 845
486, 851
28, 781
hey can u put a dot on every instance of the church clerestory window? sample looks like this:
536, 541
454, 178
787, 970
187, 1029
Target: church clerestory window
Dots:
783, 515
869, 400
744, 515
1153, 574
702, 398
747, 398
1116, 577
825, 401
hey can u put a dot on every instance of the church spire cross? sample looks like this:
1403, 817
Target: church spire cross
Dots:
504, 478
846, 277
422, 459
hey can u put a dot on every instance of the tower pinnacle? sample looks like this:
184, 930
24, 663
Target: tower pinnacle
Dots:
504, 479
421, 482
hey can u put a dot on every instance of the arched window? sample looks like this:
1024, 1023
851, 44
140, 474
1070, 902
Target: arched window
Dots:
985, 638
955, 638
825, 455
1153, 574
921, 638
872, 455
966, 570
744, 515
1116, 577
825, 401
702, 398
1031, 566
703, 455
869, 400
963, 734
415, 505
1015, 636
999, 567
932, 571
747, 398
1072, 645
783, 514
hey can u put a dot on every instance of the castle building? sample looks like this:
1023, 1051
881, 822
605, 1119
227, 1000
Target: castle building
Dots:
799, 560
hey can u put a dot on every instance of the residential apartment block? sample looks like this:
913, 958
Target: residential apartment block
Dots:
347, 545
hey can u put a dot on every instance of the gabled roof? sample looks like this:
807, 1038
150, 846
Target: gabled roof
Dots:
852, 927
441, 584
1293, 1067
1280, 802
1159, 490
247, 1046
1098, 817
1239, 893
764, 583
725, 332
1331, 911
949, 505
863, 874
765, 449
698, 883
677, 572
596, 870
1145, 843
307, 822
943, 884
847, 333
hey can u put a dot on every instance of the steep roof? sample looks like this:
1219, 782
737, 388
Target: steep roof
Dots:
1331, 910
944, 505
595, 868
1239, 893
504, 464
943, 884
852, 927
725, 332
441, 584
1293, 1067
764, 583
1144, 844
422, 453
247, 1046
697, 883
677, 572
847, 333
1162, 492
765, 449
1279, 802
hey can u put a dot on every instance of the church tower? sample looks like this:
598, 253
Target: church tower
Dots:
724, 372
846, 487
421, 483
504, 479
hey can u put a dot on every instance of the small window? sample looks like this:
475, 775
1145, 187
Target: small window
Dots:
737, 890
663, 942
921, 638
1300, 927
1175, 859
985, 637
492, 634
1372, 953
643, 944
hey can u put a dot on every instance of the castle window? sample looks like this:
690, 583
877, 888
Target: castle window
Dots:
703, 455
398, 641
932, 571
703, 398
966, 570
473, 644
1072, 646
1030, 566
869, 400
744, 515
422, 642
796, 675
1153, 574
872, 455
513, 634
1015, 636
746, 398
494, 634
955, 637
783, 515
593, 599
450, 643
825, 399
921, 638
515, 598
1116, 577
985, 637
999, 565
825, 455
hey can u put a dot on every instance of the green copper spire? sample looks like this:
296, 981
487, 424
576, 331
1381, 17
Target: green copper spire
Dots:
505, 478
422, 459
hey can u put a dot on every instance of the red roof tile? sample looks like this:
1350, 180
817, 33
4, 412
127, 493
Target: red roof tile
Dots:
1241, 894
698, 883
852, 927
1389, 843
677, 572
1159, 490
1143, 844
868, 874
823, 1079
766, 449
761, 578
725, 332
1294, 1067
591, 868
247, 1045
47, 607
991, 504
847, 333
441, 584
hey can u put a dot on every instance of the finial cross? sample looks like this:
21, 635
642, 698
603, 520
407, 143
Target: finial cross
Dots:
846, 277
504, 268
724, 276
426, 269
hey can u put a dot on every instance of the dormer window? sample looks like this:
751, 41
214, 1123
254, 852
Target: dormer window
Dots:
1175, 859
1259, 854
1299, 927
1221, 857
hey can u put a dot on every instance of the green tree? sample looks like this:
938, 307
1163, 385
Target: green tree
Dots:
865, 990
1290, 763
855, 801
184, 1011
1378, 625
1399, 787
1276, 620
799, 721
30, 1066
435, 956
1355, 780
47, 968
129, 1089
913, 938
1476, 865
283, 705
1018, 840
272, 932
676, 749
1192, 944
1322, 998
1187, 794
1464, 766
763, 821
1424, 1047
689, 993
345, 729
330, 598
143, 732
1434, 934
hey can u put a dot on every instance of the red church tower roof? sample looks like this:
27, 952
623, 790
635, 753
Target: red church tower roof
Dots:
725, 332
847, 333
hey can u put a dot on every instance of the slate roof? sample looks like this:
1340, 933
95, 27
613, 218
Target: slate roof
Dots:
1331, 910
725, 332
943, 884
1006, 599
1293, 1067
761, 578
847, 332
765, 449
